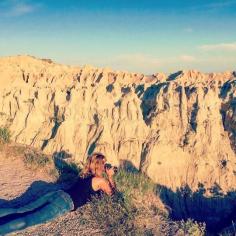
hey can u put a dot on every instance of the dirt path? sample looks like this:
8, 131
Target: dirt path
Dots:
19, 185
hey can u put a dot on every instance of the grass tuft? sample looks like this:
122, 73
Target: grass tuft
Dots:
112, 214
191, 227
4, 135
35, 160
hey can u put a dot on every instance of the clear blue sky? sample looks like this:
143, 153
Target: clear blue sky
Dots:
135, 35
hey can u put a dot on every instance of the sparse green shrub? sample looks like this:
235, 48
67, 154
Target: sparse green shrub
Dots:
18, 149
112, 215
4, 135
193, 228
133, 185
128, 181
35, 159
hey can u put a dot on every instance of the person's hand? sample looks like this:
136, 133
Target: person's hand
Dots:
110, 172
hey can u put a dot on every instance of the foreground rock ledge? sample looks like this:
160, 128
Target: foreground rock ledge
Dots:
178, 129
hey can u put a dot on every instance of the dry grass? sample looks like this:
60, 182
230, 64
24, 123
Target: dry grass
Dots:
136, 210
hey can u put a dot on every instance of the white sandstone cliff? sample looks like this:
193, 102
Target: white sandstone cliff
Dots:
179, 129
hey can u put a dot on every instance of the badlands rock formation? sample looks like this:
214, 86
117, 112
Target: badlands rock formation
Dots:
178, 129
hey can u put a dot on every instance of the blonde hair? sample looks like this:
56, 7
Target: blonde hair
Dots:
94, 165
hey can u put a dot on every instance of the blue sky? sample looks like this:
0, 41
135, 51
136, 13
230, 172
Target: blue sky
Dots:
138, 36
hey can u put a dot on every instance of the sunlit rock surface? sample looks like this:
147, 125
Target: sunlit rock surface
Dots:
178, 129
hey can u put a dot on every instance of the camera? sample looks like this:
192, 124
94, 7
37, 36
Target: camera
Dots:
109, 166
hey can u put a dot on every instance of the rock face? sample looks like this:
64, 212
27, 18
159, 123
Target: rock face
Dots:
178, 129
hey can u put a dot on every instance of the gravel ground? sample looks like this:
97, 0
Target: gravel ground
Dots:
70, 224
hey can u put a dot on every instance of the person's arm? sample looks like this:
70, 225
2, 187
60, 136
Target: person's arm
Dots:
112, 183
108, 185
110, 173
99, 183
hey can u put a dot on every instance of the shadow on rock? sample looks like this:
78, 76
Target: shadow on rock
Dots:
149, 104
128, 166
68, 171
217, 211
174, 76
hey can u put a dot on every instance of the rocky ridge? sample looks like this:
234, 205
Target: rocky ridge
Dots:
178, 129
